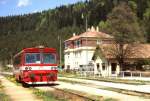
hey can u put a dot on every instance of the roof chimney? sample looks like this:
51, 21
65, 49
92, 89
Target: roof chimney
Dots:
97, 29
92, 29
74, 34
88, 29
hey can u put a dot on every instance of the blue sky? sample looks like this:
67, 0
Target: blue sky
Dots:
17, 7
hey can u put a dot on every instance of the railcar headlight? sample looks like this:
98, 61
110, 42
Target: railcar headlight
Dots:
30, 68
52, 68
26, 68
55, 68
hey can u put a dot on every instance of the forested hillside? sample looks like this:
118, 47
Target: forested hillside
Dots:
47, 27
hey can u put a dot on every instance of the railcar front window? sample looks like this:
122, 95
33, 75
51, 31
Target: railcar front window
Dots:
32, 58
49, 58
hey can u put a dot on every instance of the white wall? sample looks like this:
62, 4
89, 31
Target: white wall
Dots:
78, 57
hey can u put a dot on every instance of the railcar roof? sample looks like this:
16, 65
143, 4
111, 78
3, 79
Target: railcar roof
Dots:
36, 50
39, 49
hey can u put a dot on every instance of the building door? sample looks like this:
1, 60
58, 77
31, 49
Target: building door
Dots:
98, 67
113, 67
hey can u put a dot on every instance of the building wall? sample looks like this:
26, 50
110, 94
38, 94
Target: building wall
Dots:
107, 70
78, 57
79, 52
101, 66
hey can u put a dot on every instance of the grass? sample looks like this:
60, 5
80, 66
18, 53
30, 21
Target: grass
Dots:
110, 99
3, 96
46, 95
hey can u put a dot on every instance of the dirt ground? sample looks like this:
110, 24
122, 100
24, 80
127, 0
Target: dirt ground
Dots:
17, 93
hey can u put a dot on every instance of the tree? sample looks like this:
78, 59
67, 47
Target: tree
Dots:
126, 31
147, 20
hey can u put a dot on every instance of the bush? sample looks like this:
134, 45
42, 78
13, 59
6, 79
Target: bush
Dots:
140, 64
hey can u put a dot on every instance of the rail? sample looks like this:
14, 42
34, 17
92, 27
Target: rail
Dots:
6, 73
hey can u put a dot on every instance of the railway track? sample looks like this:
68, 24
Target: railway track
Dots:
64, 93
123, 91
73, 95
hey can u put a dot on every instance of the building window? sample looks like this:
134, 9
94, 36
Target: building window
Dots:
98, 42
103, 66
76, 43
66, 46
81, 66
79, 43
68, 55
68, 67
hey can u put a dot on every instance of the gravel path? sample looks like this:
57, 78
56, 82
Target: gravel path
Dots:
17, 93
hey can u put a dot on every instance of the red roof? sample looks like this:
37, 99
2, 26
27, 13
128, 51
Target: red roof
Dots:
34, 50
89, 34
135, 51
95, 34
73, 38
38, 49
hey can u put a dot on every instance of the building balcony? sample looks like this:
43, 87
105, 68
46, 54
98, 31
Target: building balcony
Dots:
79, 48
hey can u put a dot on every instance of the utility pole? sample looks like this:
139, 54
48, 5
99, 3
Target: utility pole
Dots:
86, 42
86, 21
60, 51
86, 27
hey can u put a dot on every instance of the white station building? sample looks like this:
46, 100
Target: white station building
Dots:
89, 51
79, 49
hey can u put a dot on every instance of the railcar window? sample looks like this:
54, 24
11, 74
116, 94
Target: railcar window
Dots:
49, 58
32, 58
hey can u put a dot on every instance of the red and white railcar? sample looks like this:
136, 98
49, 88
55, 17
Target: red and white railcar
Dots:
36, 65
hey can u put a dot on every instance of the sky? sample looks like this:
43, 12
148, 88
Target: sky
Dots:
17, 7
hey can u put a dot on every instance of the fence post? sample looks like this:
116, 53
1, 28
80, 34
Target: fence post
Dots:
123, 73
140, 74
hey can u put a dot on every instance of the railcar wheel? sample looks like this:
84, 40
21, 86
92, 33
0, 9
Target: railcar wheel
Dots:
25, 85
18, 80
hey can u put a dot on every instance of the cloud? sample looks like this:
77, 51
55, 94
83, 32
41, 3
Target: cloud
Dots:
23, 3
37, 10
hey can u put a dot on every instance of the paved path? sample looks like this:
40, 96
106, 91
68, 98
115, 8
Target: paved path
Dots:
138, 88
17, 93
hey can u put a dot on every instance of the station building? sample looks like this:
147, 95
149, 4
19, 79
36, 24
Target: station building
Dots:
90, 51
